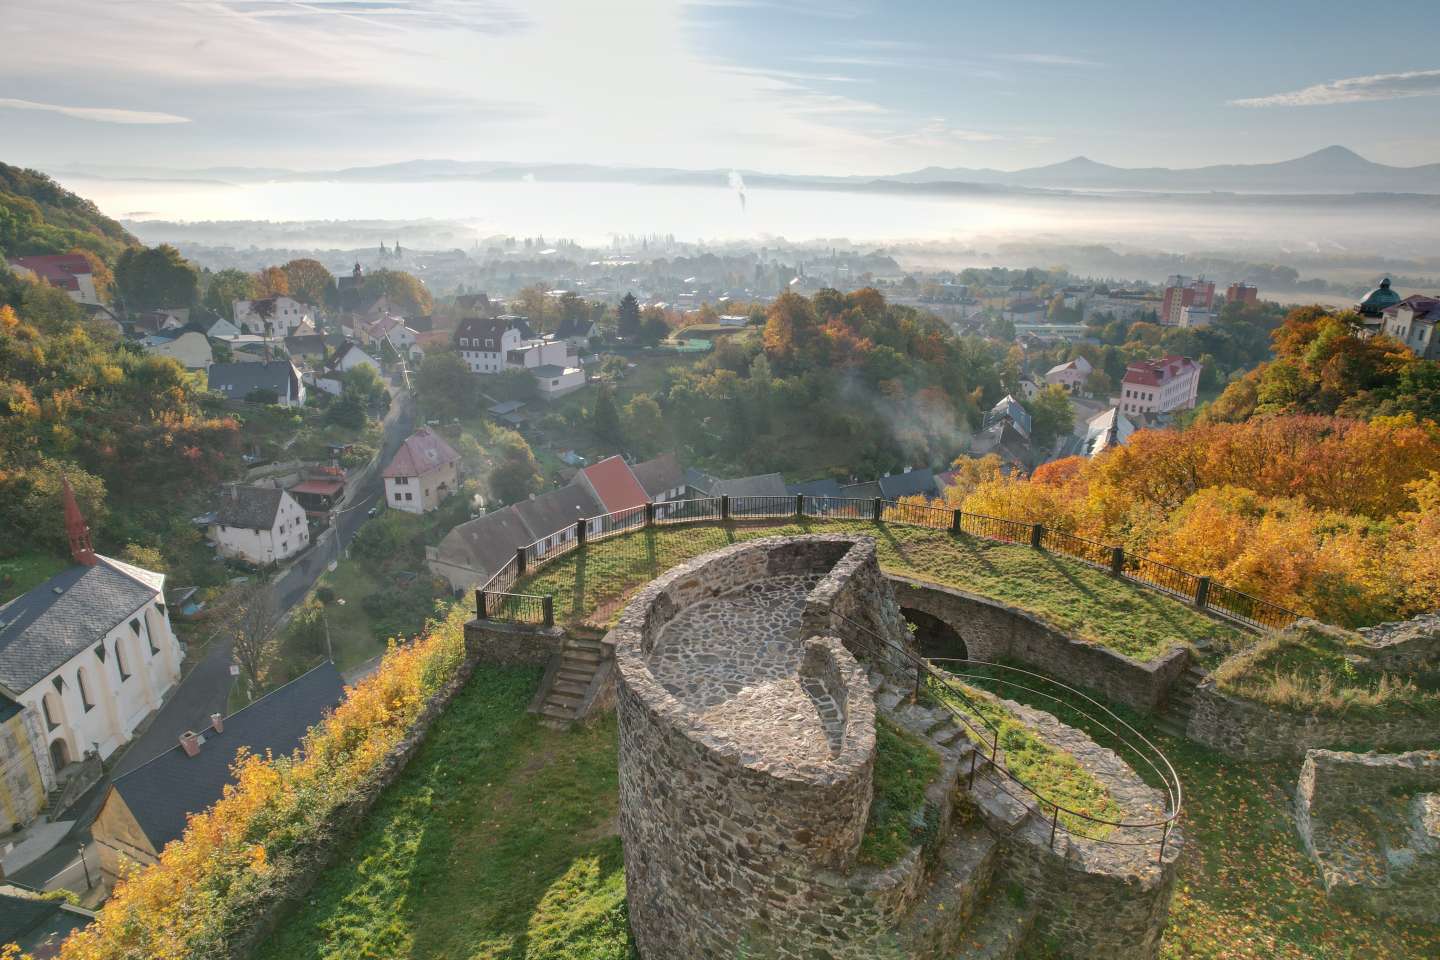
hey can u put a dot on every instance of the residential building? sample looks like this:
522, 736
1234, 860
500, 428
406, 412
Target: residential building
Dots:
1004, 438
1182, 292
1195, 316
38, 923
1241, 292
260, 525
320, 492
192, 349
1009, 410
1412, 321
424, 471
87, 656
241, 380
556, 381
484, 343
311, 347
760, 485
68, 271
576, 332
220, 329
1109, 428
1124, 305
276, 316
662, 478
1159, 386
159, 321
1071, 375
147, 807
613, 484
349, 357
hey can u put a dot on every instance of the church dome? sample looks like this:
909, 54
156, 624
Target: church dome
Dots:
1377, 300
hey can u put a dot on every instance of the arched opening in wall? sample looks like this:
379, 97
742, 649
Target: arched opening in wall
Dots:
936, 639
59, 754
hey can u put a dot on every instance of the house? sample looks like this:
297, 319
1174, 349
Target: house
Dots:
613, 485
1109, 428
1009, 410
350, 289
220, 329
662, 478
424, 471
320, 492
490, 346
260, 525
473, 552
147, 807
276, 316
190, 348
103, 317
1004, 439
1412, 321
68, 271
159, 321
86, 656
349, 357
556, 381
1159, 386
760, 485
577, 332
391, 329
310, 346
241, 380
910, 483
1071, 375
38, 924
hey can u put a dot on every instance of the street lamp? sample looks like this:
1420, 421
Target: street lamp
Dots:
86, 864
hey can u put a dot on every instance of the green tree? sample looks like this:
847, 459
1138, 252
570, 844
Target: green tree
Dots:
1051, 416
309, 280
405, 291
605, 418
156, 278
644, 427
446, 387
517, 475
627, 317
225, 288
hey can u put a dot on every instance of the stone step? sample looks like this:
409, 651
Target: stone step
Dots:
556, 712
960, 880
567, 690
574, 674
581, 654
998, 928
583, 643
1002, 812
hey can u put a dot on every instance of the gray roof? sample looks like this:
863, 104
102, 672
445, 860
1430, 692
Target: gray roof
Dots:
44, 628
815, 488
660, 474
908, 484
574, 327
549, 512
761, 485
861, 491
1009, 407
162, 792
486, 543
251, 508
548, 370
237, 380
38, 925
306, 345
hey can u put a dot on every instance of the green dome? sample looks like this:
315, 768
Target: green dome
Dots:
1377, 300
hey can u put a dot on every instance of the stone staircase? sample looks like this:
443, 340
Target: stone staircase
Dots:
567, 689
1173, 719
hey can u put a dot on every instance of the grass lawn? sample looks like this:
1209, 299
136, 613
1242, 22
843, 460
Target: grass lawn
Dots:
498, 841
27, 571
1078, 599
904, 767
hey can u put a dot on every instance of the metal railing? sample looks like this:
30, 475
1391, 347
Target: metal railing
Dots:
986, 737
1227, 602
514, 607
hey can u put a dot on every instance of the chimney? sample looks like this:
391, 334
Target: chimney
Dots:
218, 722
76, 528
191, 743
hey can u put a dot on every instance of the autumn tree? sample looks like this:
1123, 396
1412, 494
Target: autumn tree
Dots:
253, 616
273, 282
227, 286
516, 475
308, 280
402, 289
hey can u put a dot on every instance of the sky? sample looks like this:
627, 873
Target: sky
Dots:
797, 86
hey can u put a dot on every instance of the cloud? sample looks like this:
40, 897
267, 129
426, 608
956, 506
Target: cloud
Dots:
935, 133
1380, 86
1049, 59
96, 114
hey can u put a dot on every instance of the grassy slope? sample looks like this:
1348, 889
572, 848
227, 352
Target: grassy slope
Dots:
497, 842
1076, 598
904, 767
27, 571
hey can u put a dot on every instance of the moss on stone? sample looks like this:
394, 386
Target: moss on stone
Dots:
904, 767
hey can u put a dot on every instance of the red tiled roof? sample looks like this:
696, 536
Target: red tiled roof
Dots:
57, 269
421, 452
1151, 373
324, 488
614, 484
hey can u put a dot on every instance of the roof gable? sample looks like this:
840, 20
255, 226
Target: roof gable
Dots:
251, 508
421, 452
614, 484
659, 475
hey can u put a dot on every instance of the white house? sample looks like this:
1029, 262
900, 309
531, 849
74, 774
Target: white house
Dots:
192, 349
68, 271
260, 525
1109, 428
556, 381
238, 381
273, 316
506, 343
1159, 386
1413, 321
423, 472
1070, 375
87, 655
350, 356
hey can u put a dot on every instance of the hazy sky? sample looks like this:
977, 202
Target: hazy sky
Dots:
824, 86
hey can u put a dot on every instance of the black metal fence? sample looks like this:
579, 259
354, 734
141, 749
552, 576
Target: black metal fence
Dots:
515, 607
1201, 592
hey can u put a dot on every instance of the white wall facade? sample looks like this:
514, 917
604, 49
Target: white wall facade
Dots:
287, 536
487, 355
288, 315
423, 493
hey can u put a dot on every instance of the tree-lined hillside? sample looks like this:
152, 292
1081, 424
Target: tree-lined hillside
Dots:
39, 216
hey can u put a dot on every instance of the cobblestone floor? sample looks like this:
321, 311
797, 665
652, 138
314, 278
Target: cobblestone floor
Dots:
735, 662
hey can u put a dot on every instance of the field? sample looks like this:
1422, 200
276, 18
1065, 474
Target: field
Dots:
1074, 597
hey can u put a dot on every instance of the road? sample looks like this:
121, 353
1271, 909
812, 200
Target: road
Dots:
205, 689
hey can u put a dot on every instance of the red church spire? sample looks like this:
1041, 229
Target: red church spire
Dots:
76, 528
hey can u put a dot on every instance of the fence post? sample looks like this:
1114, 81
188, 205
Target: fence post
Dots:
878, 510
519, 561
547, 604
582, 531
799, 505
1037, 535
480, 605
1202, 592
956, 524
725, 506
1117, 560
649, 513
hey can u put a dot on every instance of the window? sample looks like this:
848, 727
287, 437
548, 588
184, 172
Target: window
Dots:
85, 699
135, 626
409, 496
120, 662
50, 722
398, 495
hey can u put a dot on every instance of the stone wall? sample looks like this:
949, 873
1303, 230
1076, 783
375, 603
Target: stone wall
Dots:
512, 644
996, 631
1405, 647
1400, 876
1255, 731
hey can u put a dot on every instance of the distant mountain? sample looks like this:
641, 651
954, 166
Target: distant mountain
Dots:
41, 216
1331, 170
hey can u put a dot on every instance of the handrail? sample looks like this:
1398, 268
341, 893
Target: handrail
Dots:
1173, 791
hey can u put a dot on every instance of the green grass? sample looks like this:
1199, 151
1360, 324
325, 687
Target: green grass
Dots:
1077, 599
904, 767
1308, 670
498, 841
1055, 775
27, 571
